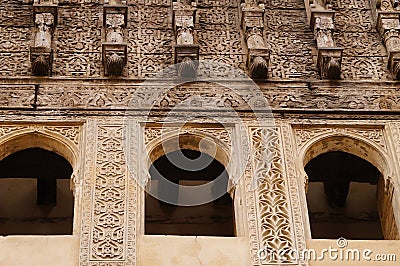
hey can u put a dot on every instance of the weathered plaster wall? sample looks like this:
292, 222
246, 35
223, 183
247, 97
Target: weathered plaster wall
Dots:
188, 250
39, 250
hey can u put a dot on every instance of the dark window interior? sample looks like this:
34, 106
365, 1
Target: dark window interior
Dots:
210, 219
35, 195
342, 198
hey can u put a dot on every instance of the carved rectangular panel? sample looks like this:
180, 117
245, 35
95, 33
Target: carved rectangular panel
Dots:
108, 234
17, 96
14, 39
14, 64
271, 191
109, 200
13, 13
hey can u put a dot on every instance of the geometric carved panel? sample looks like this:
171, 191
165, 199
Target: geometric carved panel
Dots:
272, 197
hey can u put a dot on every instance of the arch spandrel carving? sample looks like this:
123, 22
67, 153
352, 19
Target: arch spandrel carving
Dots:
63, 140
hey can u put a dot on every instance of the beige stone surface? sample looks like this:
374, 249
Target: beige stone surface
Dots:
39, 250
191, 250
381, 248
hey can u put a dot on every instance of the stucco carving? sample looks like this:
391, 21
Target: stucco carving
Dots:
321, 19
253, 27
41, 53
186, 48
273, 204
387, 15
115, 51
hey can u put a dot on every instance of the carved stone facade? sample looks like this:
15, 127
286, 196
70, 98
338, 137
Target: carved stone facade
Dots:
272, 84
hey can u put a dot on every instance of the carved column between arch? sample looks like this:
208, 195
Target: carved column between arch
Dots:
108, 228
271, 223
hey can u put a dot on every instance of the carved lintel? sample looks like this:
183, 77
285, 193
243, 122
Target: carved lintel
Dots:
186, 58
41, 60
114, 58
329, 62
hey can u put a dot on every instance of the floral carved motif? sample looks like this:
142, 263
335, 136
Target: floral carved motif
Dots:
110, 190
275, 226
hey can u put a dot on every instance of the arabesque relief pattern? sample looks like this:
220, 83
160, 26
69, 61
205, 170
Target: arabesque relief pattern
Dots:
108, 226
71, 133
272, 200
110, 195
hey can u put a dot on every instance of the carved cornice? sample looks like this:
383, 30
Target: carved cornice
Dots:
321, 19
253, 27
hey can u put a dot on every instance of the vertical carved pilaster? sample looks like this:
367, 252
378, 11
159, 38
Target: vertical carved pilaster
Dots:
186, 48
115, 48
41, 54
387, 15
321, 19
253, 26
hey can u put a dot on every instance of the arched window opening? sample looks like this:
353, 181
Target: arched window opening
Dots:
214, 218
342, 197
35, 194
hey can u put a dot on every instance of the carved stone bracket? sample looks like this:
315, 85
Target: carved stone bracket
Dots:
186, 48
321, 19
387, 22
41, 54
253, 25
114, 49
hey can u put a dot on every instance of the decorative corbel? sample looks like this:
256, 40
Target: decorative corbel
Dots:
41, 54
186, 47
321, 19
114, 49
387, 15
253, 26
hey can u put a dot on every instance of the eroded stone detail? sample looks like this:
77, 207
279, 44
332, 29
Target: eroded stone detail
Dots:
387, 16
41, 53
186, 48
115, 51
321, 18
253, 26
